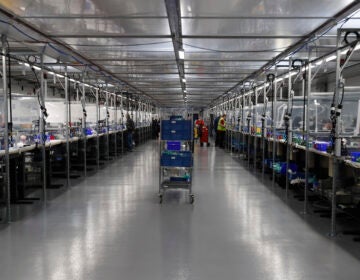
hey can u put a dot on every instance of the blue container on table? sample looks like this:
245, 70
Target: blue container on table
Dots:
355, 156
321, 145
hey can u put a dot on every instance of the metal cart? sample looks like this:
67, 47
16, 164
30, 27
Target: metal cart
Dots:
176, 157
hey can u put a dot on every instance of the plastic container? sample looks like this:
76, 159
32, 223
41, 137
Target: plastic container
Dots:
176, 159
173, 145
176, 130
355, 156
321, 145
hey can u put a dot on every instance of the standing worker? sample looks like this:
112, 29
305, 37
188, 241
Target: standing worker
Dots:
216, 122
220, 133
130, 127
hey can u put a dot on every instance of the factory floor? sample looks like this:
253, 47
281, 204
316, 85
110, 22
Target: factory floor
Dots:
111, 226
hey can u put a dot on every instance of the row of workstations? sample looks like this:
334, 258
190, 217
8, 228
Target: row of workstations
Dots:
303, 140
44, 163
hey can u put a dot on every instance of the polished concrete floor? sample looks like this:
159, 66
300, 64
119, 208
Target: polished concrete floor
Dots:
111, 227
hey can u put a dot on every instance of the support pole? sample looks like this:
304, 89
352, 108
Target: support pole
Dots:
83, 104
67, 128
107, 125
115, 125
42, 131
98, 130
289, 130
122, 124
6, 131
307, 134
337, 150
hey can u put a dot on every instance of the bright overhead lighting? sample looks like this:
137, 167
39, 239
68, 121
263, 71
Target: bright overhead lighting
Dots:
319, 62
344, 51
333, 57
181, 54
185, 90
184, 80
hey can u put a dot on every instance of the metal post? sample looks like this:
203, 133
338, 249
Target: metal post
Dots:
116, 125
337, 150
274, 102
67, 128
263, 133
249, 119
122, 124
6, 130
307, 129
255, 126
83, 103
97, 129
107, 125
289, 131
42, 131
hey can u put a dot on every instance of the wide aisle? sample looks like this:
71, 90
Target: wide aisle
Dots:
111, 227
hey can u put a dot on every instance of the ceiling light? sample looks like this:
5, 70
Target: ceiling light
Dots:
319, 62
183, 80
181, 54
333, 57
185, 90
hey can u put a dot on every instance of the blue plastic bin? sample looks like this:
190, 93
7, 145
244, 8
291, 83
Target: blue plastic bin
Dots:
176, 130
321, 145
173, 145
355, 156
177, 159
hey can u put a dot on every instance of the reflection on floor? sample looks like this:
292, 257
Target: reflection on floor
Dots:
110, 226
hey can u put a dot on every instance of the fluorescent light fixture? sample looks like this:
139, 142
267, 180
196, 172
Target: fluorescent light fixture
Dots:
344, 51
51, 73
185, 90
60, 76
319, 62
37, 68
333, 57
183, 80
72, 80
181, 54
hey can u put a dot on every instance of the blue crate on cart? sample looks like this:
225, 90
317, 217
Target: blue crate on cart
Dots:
176, 118
173, 145
176, 130
177, 159
355, 156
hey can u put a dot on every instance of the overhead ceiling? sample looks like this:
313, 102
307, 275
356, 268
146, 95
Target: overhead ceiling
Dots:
137, 41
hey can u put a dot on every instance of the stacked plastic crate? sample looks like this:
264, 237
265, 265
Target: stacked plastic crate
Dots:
176, 157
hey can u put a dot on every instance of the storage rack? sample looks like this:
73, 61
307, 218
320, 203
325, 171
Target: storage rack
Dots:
176, 157
304, 158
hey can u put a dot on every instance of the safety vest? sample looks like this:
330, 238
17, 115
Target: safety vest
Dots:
221, 125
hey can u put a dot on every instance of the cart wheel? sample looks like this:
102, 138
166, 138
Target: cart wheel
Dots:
192, 199
208, 144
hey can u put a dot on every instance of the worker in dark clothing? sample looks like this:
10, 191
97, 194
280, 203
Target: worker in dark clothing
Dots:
130, 129
216, 122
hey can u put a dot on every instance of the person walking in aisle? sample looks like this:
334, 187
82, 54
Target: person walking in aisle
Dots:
216, 122
220, 133
130, 127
